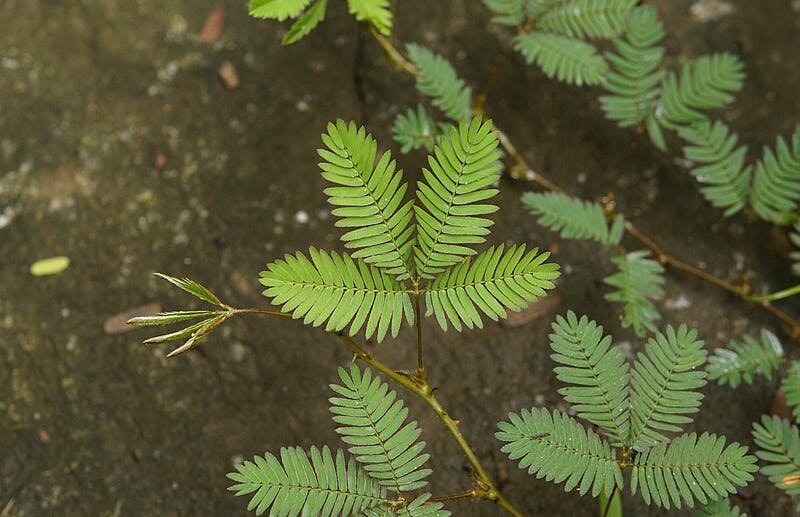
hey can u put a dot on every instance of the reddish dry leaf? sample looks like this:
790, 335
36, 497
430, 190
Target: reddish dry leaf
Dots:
228, 75
117, 324
779, 406
543, 307
213, 26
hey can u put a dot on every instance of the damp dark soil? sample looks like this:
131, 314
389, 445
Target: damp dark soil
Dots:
120, 148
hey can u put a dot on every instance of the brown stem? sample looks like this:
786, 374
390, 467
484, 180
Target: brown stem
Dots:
521, 170
469, 494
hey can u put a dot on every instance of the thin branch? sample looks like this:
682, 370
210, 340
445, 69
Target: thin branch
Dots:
779, 295
522, 170
468, 494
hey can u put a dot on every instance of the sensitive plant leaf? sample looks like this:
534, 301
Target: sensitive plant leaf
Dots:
372, 422
719, 508
570, 60
612, 507
664, 384
313, 483
368, 194
50, 266
779, 447
497, 279
306, 23
507, 12
337, 290
596, 374
722, 168
165, 318
638, 282
791, 389
416, 129
776, 181
574, 218
556, 447
691, 468
195, 289
437, 79
746, 360
452, 196
277, 9
587, 18
376, 12
794, 236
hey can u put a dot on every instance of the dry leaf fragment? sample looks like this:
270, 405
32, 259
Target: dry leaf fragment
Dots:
213, 26
228, 75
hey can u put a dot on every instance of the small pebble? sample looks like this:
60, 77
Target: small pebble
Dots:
301, 217
228, 75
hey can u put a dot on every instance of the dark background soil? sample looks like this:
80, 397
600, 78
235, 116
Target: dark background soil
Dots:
91, 91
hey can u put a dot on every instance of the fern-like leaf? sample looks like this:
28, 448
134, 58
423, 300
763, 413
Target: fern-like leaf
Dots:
587, 18
306, 23
277, 9
779, 446
574, 218
496, 280
556, 447
437, 79
596, 374
372, 421
368, 196
338, 290
664, 385
296, 485
719, 508
451, 209
416, 129
376, 12
794, 236
776, 182
723, 169
791, 389
691, 468
638, 281
745, 360
507, 12
634, 77
706, 83
569, 60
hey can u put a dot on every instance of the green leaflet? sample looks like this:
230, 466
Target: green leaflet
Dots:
746, 360
376, 12
596, 374
415, 129
450, 213
719, 508
369, 198
638, 281
338, 291
497, 279
791, 389
779, 447
372, 423
318, 485
306, 23
574, 218
635, 75
437, 79
569, 60
723, 169
680, 470
664, 381
706, 83
586, 18
277, 9
776, 181
556, 447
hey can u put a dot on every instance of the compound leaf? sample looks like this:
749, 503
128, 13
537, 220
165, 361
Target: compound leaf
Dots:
556, 447
372, 422
416, 129
368, 196
496, 280
277, 9
638, 281
791, 389
596, 373
664, 384
570, 60
745, 360
451, 209
306, 23
437, 79
376, 12
691, 468
779, 446
776, 181
587, 18
338, 290
573, 218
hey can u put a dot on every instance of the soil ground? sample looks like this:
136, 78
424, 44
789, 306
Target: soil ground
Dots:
91, 91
